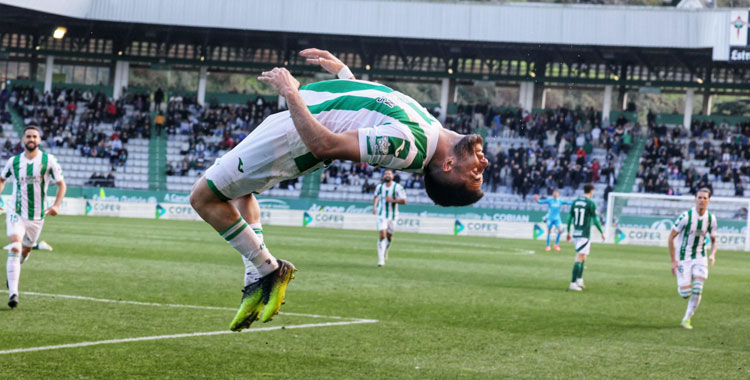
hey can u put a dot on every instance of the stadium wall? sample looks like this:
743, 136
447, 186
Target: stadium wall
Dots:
312, 213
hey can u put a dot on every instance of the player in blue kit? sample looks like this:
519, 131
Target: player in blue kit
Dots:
553, 216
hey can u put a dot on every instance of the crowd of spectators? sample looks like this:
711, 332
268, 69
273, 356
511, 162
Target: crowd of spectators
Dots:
559, 150
211, 130
668, 148
64, 125
100, 180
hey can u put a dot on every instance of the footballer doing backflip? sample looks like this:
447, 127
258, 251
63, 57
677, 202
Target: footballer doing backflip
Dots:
338, 119
388, 195
689, 262
582, 212
554, 205
32, 172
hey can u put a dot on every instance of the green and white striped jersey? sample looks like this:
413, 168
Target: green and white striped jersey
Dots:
385, 209
395, 131
694, 228
31, 179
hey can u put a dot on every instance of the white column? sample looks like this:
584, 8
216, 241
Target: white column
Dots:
688, 115
522, 94
607, 102
709, 105
48, 73
365, 76
543, 104
445, 88
125, 74
122, 75
202, 77
624, 102
529, 96
117, 87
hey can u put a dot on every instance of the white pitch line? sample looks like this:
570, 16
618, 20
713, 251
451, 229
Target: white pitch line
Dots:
178, 336
126, 302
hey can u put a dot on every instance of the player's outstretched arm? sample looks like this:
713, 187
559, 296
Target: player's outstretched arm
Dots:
328, 62
323, 143
570, 221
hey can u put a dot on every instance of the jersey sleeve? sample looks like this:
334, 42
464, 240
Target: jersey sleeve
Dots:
389, 145
8, 169
544, 201
400, 192
55, 170
680, 223
377, 190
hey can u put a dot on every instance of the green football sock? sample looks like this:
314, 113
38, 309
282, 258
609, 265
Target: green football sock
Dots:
576, 267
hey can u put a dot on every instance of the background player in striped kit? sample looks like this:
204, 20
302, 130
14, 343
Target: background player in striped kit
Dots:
553, 216
388, 195
582, 212
341, 119
690, 264
32, 171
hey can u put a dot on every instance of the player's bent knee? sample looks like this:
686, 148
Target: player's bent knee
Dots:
15, 247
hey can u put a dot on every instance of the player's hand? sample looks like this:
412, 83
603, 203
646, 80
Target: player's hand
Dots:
53, 210
373, 211
568, 238
604, 238
324, 58
712, 258
389, 199
675, 265
281, 80
536, 197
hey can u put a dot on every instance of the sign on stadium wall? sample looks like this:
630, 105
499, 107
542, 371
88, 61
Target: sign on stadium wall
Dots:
643, 236
737, 28
739, 55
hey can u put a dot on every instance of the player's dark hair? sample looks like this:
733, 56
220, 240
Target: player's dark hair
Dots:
587, 188
705, 190
33, 126
447, 193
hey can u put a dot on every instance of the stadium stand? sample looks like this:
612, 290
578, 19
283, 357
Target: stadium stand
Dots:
96, 141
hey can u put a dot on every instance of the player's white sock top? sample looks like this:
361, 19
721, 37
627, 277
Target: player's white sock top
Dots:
249, 245
13, 271
381, 251
251, 273
695, 299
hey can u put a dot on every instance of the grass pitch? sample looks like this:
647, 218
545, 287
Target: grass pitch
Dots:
446, 308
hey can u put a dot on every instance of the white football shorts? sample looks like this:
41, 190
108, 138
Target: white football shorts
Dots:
19, 226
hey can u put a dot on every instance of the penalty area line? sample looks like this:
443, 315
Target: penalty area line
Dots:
186, 335
173, 305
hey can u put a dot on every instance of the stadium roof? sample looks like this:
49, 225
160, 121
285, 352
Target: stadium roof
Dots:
654, 46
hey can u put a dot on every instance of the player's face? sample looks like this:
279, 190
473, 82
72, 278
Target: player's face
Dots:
701, 200
31, 139
555, 194
471, 161
388, 176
